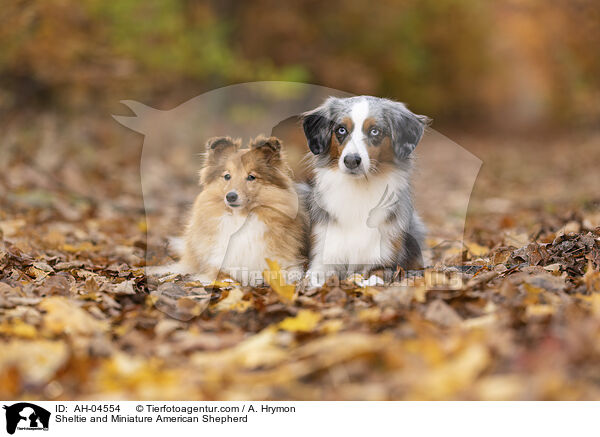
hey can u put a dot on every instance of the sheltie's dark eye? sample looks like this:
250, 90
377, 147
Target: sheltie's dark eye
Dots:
250, 177
227, 177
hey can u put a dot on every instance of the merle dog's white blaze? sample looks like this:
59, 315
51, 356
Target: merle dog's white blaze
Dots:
356, 143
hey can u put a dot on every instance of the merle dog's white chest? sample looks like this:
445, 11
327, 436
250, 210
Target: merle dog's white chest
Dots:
356, 231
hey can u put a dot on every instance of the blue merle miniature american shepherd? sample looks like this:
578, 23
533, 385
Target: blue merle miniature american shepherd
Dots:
360, 197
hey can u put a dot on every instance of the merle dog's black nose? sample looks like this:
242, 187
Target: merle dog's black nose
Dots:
352, 160
231, 196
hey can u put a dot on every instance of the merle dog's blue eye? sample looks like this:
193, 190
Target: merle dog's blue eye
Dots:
227, 177
250, 177
341, 130
374, 131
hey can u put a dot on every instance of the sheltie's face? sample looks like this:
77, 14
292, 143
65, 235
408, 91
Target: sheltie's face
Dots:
360, 135
243, 178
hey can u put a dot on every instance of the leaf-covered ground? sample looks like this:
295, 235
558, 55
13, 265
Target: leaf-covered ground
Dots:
77, 320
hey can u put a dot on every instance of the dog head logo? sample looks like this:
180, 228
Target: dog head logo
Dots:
26, 416
174, 147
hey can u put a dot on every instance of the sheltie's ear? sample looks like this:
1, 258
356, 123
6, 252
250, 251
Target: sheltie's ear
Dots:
218, 147
269, 149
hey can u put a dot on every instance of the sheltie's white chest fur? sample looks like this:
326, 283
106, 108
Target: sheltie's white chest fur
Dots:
349, 237
239, 244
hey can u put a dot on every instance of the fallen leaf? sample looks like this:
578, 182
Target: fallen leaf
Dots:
10, 227
305, 321
18, 328
477, 250
275, 279
233, 302
369, 315
441, 313
124, 288
36, 361
591, 278
64, 317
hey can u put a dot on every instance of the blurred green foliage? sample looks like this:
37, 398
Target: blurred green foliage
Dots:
457, 60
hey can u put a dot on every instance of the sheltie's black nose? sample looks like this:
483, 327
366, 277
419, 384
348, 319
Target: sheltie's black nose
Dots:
352, 160
231, 196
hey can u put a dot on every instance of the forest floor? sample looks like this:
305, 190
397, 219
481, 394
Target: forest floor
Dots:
78, 319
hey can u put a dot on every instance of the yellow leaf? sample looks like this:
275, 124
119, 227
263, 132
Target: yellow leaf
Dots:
86, 246
500, 388
274, 277
454, 374
233, 302
261, 349
37, 361
142, 225
533, 294
332, 326
65, 317
477, 250
18, 328
371, 291
127, 375
305, 321
223, 284
420, 294
454, 251
591, 278
369, 315
539, 310
593, 300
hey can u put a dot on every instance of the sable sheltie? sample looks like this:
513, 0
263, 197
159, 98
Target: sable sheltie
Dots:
360, 197
248, 211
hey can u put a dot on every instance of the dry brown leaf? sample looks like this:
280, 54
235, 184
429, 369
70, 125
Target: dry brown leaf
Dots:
441, 313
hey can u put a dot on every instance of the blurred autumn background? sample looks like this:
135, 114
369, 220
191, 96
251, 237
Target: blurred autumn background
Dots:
515, 82
508, 62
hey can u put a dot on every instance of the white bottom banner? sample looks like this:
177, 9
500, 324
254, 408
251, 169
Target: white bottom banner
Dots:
74, 418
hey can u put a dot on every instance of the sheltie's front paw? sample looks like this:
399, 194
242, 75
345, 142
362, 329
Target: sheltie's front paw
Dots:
312, 281
204, 279
169, 269
294, 275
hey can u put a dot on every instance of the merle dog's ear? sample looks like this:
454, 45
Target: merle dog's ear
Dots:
318, 128
407, 129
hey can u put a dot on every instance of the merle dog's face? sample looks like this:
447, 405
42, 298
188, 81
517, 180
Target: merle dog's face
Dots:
358, 135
